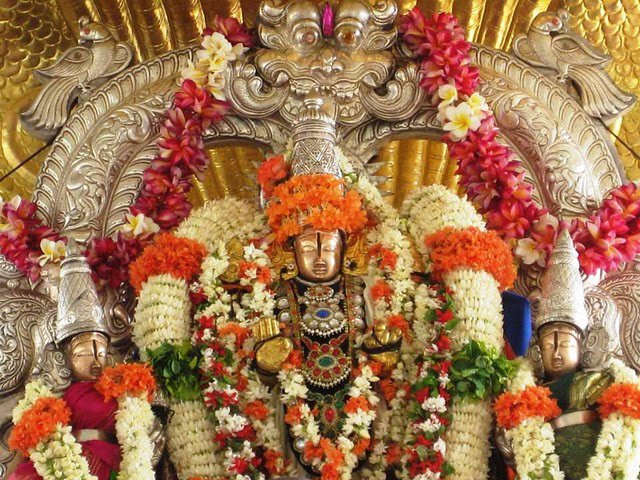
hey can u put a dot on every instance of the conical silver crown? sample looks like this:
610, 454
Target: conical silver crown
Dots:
314, 138
562, 298
79, 308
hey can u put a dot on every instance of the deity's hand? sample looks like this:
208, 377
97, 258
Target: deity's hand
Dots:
272, 349
383, 338
383, 345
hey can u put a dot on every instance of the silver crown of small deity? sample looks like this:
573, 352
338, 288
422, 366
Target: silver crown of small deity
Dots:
562, 298
79, 308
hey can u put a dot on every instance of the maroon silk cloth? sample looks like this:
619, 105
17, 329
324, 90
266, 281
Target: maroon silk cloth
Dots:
88, 411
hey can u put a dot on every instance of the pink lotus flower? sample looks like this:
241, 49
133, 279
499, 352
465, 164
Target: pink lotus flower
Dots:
327, 20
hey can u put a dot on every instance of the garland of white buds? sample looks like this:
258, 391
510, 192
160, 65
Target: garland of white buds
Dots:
59, 455
477, 303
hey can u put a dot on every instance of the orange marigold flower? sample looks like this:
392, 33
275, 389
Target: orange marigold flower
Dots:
126, 379
381, 290
334, 456
514, 408
394, 453
357, 403
294, 360
38, 423
274, 462
361, 447
270, 172
312, 451
389, 389
318, 201
399, 322
620, 397
293, 415
385, 257
329, 471
234, 329
256, 409
450, 249
179, 257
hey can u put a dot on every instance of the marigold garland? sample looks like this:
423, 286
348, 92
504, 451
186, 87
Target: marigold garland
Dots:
179, 257
318, 201
37, 423
132, 379
534, 401
450, 249
620, 397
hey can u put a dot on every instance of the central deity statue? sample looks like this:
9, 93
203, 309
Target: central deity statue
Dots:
323, 309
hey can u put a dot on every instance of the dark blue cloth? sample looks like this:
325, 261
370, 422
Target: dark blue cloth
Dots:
517, 321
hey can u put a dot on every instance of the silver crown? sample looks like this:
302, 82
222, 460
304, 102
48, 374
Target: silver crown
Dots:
314, 138
79, 308
562, 298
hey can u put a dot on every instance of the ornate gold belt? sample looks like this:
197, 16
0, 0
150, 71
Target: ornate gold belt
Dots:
574, 418
88, 434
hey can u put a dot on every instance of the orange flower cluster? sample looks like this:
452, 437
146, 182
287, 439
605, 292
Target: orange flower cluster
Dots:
256, 409
334, 458
386, 258
357, 403
179, 257
471, 248
317, 201
274, 463
514, 408
38, 422
399, 322
126, 379
270, 172
234, 329
381, 290
620, 397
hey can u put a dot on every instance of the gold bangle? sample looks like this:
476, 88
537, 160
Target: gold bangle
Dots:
265, 329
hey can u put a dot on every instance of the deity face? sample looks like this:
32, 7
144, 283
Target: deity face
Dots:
87, 355
560, 346
318, 255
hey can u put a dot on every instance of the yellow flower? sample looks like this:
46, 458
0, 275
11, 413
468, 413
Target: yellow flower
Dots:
448, 94
478, 104
52, 251
461, 119
139, 225
216, 86
528, 252
196, 72
218, 52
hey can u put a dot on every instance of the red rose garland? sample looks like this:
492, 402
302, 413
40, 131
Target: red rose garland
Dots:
491, 177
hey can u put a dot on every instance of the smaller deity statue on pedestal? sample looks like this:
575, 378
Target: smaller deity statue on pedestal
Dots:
82, 333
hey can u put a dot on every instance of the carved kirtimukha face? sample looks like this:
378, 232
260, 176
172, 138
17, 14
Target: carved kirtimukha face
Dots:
87, 355
560, 346
318, 255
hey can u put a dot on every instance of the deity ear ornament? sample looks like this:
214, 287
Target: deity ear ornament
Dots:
235, 250
355, 256
283, 261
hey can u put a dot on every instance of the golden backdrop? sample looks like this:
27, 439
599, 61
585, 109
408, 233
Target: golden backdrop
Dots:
35, 32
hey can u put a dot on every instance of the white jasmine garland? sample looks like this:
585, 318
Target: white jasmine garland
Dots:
134, 421
60, 456
617, 449
430, 209
162, 313
33, 391
190, 441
